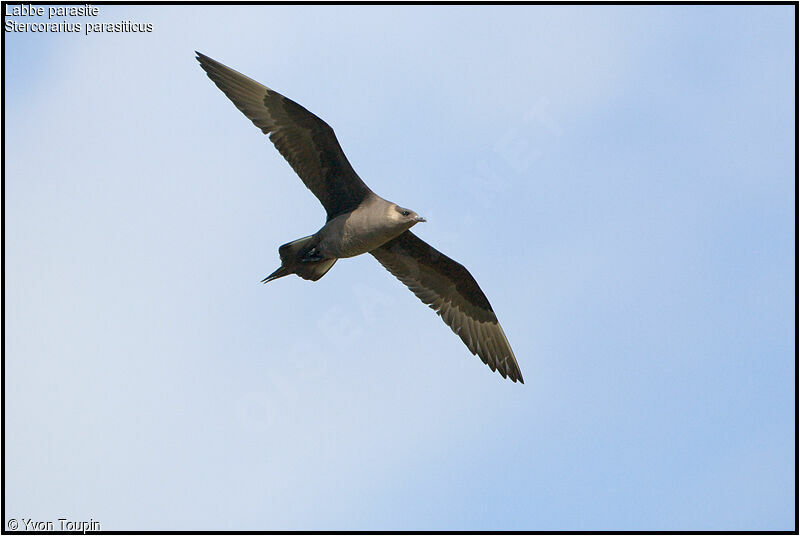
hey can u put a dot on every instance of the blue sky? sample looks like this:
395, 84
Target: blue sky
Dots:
620, 180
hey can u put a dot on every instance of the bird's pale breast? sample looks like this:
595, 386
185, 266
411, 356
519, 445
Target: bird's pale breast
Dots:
357, 232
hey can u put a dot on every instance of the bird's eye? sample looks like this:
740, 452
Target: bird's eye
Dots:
405, 213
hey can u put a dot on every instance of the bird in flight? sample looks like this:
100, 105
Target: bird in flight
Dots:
359, 221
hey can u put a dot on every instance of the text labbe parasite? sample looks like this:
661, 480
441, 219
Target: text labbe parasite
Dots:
29, 10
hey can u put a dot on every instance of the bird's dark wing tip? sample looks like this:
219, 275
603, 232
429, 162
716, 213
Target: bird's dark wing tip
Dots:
515, 375
203, 59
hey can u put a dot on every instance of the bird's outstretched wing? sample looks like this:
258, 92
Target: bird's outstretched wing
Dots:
450, 290
304, 140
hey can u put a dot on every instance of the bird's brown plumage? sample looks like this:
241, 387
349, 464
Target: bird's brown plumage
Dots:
311, 148
450, 290
304, 140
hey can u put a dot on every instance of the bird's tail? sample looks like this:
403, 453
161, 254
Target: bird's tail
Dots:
298, 258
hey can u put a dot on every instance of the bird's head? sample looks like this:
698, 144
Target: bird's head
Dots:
405, 217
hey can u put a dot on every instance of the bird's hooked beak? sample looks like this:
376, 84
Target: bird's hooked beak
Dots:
420, 219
